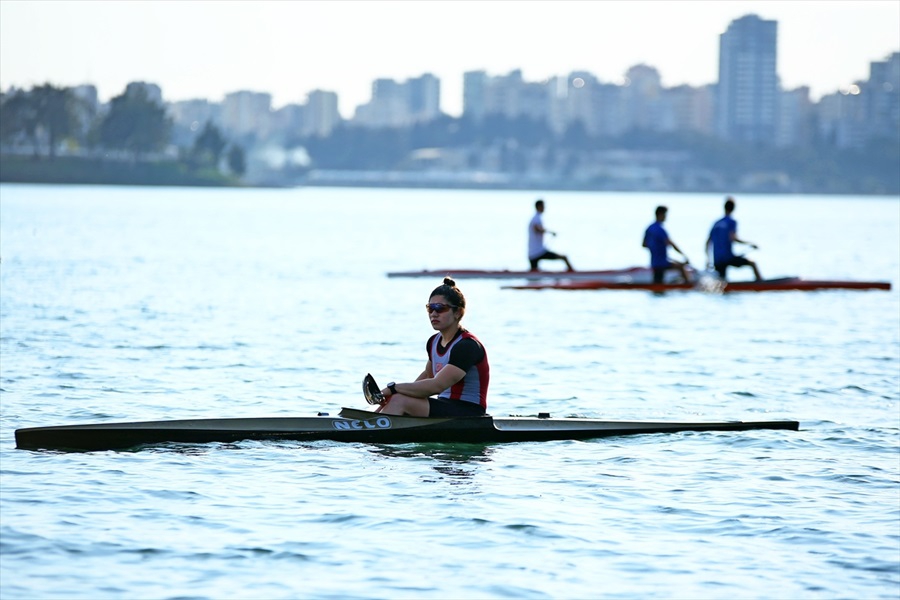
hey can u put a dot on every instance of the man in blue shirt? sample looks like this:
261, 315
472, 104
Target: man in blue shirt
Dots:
722, 235
657, 241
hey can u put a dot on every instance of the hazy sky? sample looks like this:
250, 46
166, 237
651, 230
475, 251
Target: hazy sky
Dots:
206, 49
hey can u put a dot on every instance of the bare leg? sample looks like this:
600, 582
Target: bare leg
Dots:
675, 265
756, 271
406, 405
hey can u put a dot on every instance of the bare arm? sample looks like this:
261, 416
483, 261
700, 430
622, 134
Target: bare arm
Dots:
426, 386
426, 374
735, 238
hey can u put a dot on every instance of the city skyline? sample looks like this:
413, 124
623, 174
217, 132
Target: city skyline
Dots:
69, 44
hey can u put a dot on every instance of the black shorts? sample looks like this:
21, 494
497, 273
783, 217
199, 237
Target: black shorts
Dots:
444, 407
545, 256
735, 261
659, 273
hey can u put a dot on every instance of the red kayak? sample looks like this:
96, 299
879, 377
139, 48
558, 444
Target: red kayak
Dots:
765, 285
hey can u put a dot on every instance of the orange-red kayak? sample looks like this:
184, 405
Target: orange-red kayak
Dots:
765, 285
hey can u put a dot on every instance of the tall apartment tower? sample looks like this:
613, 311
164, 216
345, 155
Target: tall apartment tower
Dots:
321, 113
747, 98
424, 97
399, 104
246, 112
882, 97
474, 92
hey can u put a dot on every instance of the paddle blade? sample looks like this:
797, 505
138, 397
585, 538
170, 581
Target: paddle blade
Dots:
371, 390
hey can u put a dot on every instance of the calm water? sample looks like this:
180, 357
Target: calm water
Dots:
137, 303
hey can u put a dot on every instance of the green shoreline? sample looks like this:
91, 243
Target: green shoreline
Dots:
73, 170
69, 170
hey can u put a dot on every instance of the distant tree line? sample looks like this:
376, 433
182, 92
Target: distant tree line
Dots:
132, 126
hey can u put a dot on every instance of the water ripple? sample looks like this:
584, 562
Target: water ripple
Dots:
131, 304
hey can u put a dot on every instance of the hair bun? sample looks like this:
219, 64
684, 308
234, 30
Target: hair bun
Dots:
449, 291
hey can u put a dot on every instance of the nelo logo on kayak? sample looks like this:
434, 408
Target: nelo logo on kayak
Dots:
356, 424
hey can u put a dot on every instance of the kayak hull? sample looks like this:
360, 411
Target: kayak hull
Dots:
766, 285
356, 426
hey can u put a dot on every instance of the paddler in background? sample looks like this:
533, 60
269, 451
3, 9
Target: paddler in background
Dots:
457, 372
721, 237
657, 241
536, 249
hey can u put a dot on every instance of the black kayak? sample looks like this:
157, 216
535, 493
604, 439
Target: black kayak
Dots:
352, 425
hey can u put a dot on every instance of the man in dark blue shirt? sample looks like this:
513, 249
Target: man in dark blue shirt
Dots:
657, 241
722, 235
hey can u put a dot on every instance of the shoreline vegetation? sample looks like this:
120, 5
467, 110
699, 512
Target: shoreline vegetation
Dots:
94, 171
71, 170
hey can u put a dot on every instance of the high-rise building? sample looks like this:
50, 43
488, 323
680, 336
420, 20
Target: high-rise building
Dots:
424, 96
286, 122
474, 86
321, 113
641, 95
387, 108
246, 112
747, 99
840, 118
882, 98
398, 104
507, 95
795, 118
864, 111
572, 100
610, 109
685, 108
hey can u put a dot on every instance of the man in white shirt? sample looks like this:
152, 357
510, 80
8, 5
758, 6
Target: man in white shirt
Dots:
536, 249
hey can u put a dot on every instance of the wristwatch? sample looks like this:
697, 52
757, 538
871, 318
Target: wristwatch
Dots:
391, 387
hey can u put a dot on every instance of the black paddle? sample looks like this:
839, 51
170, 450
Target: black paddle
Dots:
371, 390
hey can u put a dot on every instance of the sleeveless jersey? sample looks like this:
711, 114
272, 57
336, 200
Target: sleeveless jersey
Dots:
473, 386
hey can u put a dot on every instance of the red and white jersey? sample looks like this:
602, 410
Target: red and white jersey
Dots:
467, 353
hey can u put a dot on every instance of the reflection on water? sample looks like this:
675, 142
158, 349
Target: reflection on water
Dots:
458, 461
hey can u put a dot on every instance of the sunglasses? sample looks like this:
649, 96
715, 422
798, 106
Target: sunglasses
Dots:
438, 307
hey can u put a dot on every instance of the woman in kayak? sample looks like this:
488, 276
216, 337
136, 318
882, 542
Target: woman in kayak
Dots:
456, 376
